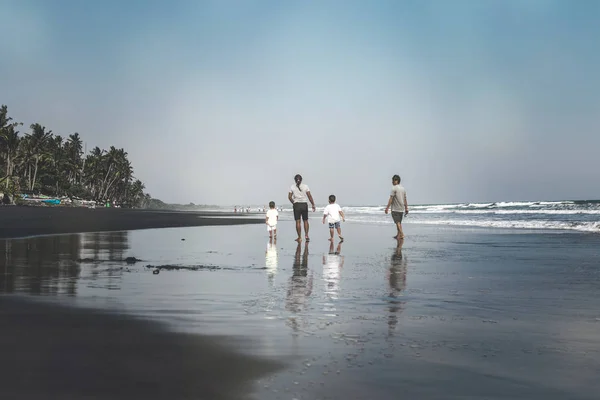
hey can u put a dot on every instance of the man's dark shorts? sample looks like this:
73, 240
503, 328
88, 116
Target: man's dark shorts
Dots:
397, 216
300, 210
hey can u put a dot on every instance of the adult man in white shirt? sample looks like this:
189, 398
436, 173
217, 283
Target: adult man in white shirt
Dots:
299, 196
398, 203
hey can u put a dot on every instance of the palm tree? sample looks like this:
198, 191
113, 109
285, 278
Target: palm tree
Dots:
38, 140
9, 139
58, 162
46, 163
73, 149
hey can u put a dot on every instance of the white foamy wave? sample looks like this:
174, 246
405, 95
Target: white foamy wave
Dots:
550, 203
477, 205
538, 224
520, 224
514, 204
507, 212
364, 209
436, 206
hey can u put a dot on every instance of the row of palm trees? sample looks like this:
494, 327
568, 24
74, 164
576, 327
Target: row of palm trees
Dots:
40, 162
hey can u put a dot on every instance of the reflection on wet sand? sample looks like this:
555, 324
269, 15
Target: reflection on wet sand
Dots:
397, 283
300, 286
107, 246
40, 265
271, 260
52, 264
333, 262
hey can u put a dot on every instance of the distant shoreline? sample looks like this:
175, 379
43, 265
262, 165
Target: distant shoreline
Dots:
24, 221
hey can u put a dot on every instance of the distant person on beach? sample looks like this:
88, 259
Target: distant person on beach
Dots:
333, 213
399, 205
299, 196
271, 220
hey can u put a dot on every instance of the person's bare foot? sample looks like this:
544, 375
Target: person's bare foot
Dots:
307, 239
400, 237
396, 237
298, 239
341, 239
330, 239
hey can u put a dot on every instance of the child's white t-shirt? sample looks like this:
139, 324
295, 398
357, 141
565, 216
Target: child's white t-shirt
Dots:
333, 213
272, 216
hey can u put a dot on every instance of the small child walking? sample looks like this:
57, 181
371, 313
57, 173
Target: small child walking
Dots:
333, 213
271, 220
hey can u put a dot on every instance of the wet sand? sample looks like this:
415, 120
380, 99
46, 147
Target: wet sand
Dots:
50, 351
21, 221
450, 313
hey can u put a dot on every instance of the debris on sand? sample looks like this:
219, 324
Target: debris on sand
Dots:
128, 260
170, 267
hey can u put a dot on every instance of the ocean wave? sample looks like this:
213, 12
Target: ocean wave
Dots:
508, 212
521, 224
550, 207
582, 226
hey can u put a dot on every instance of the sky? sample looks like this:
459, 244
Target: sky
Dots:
223, 102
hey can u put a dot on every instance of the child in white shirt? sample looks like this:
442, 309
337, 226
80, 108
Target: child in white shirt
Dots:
333, 212
271, 220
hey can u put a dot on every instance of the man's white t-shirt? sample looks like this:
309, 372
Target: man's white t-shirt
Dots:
333, 213
398, 192
272, 216
299, 196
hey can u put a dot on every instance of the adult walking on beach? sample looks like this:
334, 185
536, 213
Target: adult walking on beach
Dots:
299, 196
399, 205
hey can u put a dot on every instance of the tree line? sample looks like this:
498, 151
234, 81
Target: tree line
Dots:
41, 162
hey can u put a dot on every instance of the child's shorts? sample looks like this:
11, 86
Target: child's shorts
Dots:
334, 225
271, 228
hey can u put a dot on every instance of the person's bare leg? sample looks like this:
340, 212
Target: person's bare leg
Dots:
339, 230
400, 233
299, 231
331, 235
275, 233
305, 229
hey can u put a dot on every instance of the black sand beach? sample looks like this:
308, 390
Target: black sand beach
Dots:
51, 351
451, 313
21, 221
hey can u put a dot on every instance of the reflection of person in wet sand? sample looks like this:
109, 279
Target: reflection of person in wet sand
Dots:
332, 266
397, 282
271, 260
301, 283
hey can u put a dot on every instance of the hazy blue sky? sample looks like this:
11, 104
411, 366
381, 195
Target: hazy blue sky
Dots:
223, 102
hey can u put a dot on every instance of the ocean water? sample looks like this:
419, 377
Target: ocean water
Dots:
453, 312
580, 215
